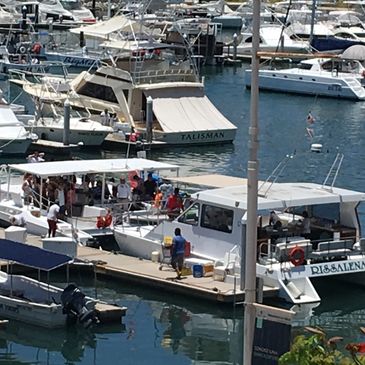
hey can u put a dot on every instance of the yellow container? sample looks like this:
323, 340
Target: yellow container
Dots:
167, 241
208, 269
186, 271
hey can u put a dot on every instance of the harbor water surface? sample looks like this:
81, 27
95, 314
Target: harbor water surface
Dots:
163, 328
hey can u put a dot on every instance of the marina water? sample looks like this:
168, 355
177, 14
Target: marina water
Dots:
164, 328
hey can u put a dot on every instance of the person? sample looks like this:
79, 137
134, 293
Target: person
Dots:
52, 217
105, 117
306, 225
177, 253
18, 220
123, 193
27, 188
150, 187
36, 157
274, 220
310, 121
174, 204
157, 204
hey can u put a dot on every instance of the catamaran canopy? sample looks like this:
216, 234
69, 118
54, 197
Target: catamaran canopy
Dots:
213, 180
186, 109
31, 256
102, 30
58, 168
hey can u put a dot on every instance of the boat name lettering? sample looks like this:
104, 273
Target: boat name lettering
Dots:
335, 87
202, 136
337, 268
78, 61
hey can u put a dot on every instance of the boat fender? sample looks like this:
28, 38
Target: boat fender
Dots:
22, 49
36, 48
297, 256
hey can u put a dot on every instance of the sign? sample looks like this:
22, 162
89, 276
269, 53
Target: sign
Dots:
272, 334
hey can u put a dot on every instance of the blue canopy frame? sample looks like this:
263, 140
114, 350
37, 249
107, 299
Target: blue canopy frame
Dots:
32, 256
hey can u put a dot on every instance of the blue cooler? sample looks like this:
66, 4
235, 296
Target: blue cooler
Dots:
198, 271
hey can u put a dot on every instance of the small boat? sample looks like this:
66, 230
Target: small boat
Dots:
39, 303
338, 78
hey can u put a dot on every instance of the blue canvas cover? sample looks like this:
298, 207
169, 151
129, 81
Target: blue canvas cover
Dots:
31, 256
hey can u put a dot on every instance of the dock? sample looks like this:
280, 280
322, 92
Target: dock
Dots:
119, 267
114, 141
52, 147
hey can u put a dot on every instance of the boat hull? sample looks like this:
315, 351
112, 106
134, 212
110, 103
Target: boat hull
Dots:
15, 146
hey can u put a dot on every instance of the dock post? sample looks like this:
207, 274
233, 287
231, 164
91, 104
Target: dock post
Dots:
235, 46
24, 17
66, 123
36, 14
149, 119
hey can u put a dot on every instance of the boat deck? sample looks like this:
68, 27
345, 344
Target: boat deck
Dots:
145, 272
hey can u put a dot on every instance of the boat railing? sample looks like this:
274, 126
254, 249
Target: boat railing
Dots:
153, 76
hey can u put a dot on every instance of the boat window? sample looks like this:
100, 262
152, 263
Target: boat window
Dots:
217, 218
191, 216
97, 91
328, 213
71, 5
305, 66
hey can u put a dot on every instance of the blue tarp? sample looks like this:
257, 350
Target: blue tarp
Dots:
31, 256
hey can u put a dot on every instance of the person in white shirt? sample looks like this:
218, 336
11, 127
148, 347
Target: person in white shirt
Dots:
17, 220
36, 157
52, 217
123, 193
105, 117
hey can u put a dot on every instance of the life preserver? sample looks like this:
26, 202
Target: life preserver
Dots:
103, 222
100, 222
36, 48
22, 49
297, 256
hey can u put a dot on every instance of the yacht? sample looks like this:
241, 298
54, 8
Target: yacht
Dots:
14, 138
182, 113
335, 78
215, 221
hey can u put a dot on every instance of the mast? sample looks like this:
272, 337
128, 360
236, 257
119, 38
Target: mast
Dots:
252, 187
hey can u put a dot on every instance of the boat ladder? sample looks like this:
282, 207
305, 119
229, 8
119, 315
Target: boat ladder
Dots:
333, 172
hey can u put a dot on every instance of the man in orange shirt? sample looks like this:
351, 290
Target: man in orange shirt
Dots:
174, 204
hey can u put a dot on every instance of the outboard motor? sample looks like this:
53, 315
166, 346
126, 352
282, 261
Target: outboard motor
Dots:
74, 305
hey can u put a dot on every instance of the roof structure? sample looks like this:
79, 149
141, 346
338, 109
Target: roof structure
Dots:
31, 256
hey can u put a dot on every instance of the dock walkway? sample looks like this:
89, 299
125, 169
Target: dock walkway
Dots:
147, 273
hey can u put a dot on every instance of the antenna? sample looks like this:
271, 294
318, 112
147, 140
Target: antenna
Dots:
333, 172
275, 174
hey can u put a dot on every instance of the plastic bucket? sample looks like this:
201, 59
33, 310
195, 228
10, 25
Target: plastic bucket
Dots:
155, 256
198, 271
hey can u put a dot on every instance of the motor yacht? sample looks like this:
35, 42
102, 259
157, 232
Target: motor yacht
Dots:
319, 76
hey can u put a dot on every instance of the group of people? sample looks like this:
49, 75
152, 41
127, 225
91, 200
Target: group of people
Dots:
108, 119
163, 196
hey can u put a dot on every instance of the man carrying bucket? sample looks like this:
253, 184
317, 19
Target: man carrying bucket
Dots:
177, 254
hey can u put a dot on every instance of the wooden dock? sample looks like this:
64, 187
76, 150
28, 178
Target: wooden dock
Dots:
119, 267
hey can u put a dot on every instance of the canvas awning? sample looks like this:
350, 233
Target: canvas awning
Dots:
122, 165
102, 30
31, 256
186, 109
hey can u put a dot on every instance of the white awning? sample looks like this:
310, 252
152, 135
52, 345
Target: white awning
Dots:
186, 109
213, 180
58, 168
103, 29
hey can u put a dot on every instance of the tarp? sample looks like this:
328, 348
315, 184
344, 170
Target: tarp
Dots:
186, 109
103, 29
120, 165
31, 256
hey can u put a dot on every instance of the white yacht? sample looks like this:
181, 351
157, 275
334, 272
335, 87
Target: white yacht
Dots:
215, 221
273, 38
14, 138
319, 76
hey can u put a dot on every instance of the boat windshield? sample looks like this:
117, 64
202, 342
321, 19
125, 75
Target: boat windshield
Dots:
71, 4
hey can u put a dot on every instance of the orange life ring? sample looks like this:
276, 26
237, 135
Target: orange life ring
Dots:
108, 220
100, 222
36, 48
297, 256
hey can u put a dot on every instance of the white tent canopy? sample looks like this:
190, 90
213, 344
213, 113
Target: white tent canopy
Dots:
66, 168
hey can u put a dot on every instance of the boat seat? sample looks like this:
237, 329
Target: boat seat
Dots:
282, 250
333, 249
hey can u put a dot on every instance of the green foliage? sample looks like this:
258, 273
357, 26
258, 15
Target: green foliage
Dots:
318, 350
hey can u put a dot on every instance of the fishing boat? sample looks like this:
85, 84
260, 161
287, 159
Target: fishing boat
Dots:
39, 303
319, 76
288, 259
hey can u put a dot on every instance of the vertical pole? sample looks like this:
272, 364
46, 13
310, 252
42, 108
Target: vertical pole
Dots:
312, 22
149, 119
103, 190
66, 123
82, 39
109, 9
36, 14
235, 46
252, 168
24, 17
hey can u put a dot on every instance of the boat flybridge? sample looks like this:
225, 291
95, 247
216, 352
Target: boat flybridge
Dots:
287, 258
336, 78
80, 223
